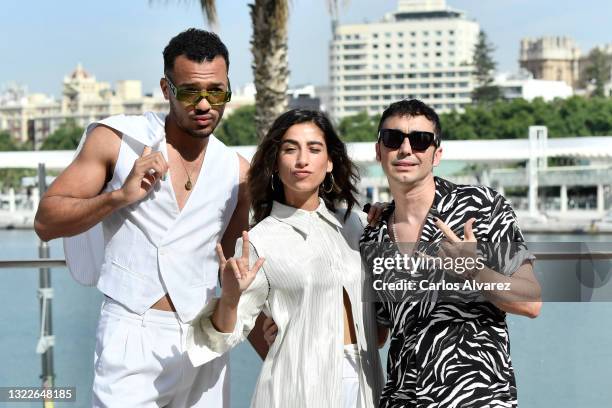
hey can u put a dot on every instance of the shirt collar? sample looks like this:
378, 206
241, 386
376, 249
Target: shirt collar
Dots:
302, 219
444, 188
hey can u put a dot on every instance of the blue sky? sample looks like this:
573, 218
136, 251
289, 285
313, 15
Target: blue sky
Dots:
41, 40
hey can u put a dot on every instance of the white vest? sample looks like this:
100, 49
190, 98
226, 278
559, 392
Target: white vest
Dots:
150, 248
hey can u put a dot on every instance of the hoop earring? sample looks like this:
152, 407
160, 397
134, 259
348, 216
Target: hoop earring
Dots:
331, 184
272, 182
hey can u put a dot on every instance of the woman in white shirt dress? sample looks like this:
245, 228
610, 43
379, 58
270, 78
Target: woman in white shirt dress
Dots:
300, 264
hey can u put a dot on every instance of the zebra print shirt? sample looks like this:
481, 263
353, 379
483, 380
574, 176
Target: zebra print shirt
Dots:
449, 353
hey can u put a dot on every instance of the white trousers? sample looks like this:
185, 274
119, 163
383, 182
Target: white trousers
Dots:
350, 378
141, 361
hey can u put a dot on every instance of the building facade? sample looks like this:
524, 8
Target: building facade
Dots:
551, 59
523, 85
84, 100
423, 50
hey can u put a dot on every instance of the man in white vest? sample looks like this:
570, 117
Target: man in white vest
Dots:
162, 191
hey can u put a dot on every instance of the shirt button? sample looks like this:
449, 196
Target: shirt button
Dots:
162, 251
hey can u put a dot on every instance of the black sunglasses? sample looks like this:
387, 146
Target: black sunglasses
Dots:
393, 139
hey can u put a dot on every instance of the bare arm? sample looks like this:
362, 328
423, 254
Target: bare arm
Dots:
239, 223
524, 296
75, 202
240, 217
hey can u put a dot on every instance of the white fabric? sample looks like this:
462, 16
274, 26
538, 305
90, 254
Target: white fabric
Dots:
85, 252
152, 345
310, 258
150, 248
350, 377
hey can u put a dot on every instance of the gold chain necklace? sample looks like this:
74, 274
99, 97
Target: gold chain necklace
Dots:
188, 183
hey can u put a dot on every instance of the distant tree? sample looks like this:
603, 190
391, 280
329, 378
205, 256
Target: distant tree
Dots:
484, 68
358, 128
7, 143
575, 116
597, 71
66, 137
238, 129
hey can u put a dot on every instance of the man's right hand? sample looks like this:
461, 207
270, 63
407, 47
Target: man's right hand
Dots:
147, 170
270, 330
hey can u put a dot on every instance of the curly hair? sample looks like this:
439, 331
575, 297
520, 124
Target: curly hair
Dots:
197, 45
345, 173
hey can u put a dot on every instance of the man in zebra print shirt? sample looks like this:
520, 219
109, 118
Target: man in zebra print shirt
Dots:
447, 350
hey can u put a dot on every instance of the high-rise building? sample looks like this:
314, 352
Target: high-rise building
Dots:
423, 50
552, 59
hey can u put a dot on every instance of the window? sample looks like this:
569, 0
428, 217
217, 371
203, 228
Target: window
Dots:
375, 35
388, 45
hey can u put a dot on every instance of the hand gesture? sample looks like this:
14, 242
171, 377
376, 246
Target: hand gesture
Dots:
374, 212
147, 170
236, 276
454, 247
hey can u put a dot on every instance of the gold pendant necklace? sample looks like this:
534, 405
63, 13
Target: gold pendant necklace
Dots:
188, 184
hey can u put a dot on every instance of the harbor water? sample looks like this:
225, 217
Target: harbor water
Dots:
562, 359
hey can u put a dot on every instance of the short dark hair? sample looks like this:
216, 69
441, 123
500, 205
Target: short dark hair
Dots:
197, 45
412, 107
345, 173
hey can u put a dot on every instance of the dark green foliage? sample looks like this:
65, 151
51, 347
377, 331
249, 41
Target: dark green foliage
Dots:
484, 67
238, 129
66, 137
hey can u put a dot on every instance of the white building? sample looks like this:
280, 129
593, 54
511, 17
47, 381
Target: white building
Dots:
33, 117
523, 85
423, 50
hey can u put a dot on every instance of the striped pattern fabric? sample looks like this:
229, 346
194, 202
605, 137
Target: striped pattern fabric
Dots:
310, 258
445, 351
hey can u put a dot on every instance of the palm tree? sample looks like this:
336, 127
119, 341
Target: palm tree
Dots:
269, 47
